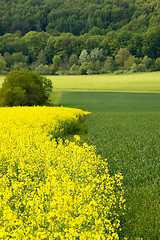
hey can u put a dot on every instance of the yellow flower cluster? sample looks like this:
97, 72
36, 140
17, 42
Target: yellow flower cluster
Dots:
50, 189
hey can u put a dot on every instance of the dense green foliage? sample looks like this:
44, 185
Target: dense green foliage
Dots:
78, 16
80, 37
124, 127
24, 88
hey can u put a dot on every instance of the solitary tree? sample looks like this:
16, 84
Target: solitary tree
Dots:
25, 88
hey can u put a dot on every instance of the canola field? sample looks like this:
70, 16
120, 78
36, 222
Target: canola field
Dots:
52, 188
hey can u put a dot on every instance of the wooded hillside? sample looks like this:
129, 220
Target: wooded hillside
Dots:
78, 16
38, 33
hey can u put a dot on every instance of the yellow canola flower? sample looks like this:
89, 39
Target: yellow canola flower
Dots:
51, 189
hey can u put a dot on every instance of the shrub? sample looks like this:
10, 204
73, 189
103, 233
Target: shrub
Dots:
157, 64
134, 67
43, 69
142, 67
25, 88
74, 70
109, 65
86, 68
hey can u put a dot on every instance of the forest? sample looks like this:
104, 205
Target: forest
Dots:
80, 37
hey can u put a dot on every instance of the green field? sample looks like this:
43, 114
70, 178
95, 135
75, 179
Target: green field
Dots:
125, 127
112, 102
137, 82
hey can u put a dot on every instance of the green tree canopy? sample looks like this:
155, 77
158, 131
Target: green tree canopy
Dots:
25, 88
122, 56
2, 64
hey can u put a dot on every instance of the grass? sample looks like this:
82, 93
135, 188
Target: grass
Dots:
112, 102
124, 127
137, 82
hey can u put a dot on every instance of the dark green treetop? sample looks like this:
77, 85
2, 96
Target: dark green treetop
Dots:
25, 88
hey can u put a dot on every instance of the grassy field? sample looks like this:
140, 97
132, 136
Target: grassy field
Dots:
137, 82
125, 129
111, 102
